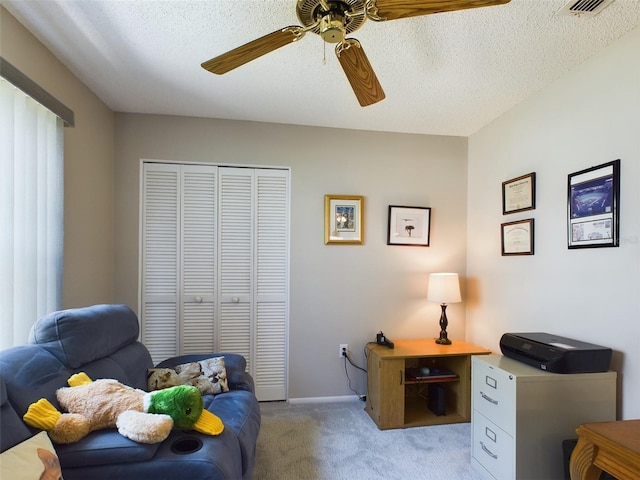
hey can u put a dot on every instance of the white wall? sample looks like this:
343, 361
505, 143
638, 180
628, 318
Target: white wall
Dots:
339, 293
588, 117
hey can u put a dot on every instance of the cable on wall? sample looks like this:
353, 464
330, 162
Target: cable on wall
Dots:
346, 371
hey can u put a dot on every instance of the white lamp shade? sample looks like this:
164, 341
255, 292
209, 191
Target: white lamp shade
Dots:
444, 288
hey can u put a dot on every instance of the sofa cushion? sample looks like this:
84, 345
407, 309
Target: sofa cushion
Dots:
30, 373
80, 335
104, 447
128, 365
218, 458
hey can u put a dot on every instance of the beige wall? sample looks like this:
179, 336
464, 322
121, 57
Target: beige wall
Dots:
88, 165
339, 293
588, 117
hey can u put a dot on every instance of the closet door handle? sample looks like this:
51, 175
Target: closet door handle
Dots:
198, 299
488, 398
235, 299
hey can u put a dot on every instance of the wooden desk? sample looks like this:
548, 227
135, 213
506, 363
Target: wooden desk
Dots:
610, 446
395, 399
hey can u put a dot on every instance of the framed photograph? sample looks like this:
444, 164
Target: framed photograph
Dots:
593, 206
409, 226
519, 194
343, 220
517, 237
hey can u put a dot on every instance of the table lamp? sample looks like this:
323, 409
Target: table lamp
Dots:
443, 288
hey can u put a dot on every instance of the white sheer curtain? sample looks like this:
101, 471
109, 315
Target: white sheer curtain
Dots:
31, 214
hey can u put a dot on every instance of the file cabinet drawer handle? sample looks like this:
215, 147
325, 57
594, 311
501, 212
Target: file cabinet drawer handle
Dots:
488, 398
488, 452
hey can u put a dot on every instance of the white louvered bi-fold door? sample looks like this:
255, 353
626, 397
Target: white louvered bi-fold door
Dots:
215, 266
253, 243
236, 262
198, 266
160, 218
271, 285
178, 259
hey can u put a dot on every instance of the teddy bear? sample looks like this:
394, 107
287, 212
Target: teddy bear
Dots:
145, 417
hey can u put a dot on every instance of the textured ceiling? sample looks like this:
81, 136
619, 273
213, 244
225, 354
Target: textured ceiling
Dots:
445, 74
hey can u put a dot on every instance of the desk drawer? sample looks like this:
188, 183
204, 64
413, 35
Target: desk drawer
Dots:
493, 395
492, 447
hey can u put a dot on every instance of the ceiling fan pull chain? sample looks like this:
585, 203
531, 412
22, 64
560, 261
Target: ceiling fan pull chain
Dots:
324, 53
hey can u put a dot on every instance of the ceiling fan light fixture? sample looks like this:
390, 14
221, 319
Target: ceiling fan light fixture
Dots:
332, 28
333, 20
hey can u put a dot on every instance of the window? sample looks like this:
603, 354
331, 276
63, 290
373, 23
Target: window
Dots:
31, 213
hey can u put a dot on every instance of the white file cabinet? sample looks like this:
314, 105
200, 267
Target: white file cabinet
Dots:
520, 416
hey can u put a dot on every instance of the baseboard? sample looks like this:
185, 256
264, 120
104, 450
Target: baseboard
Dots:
344, 398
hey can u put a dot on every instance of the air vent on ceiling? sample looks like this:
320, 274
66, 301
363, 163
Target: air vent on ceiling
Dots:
584, 8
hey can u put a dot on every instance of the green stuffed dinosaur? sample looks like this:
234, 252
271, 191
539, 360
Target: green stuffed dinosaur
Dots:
145, 417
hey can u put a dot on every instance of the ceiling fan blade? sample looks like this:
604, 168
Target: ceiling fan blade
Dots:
252, 50
381, 10
359, 72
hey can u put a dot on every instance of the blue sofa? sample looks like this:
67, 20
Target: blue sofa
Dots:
102, 340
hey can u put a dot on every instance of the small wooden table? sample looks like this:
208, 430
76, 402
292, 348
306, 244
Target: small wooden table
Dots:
395, 397
610, 446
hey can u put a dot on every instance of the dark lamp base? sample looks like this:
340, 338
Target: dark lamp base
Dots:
443, 340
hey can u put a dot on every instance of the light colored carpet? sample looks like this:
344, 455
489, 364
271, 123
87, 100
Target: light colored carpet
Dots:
338, 441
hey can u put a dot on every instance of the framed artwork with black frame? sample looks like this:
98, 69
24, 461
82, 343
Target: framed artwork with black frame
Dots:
593, 206
409, 226
519, 194
517, 237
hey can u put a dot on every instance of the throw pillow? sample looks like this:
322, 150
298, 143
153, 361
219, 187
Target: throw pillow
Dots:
33, 459
209, 376
159, 378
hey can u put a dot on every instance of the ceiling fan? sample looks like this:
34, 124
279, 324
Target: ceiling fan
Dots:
333, 20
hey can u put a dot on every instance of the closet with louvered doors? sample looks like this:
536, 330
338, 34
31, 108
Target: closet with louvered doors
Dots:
215, 265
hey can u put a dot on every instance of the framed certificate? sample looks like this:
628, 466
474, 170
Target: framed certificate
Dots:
519, 194
517, 237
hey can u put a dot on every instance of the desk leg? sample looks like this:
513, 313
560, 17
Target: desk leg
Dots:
581, 464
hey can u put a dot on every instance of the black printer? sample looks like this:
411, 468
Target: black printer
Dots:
556, 354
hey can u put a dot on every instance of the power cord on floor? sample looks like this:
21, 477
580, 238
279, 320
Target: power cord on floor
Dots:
345, 355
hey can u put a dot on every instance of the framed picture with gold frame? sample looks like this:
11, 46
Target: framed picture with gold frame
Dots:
343, 219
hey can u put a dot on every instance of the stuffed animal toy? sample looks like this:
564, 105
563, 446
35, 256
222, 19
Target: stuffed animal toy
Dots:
145, 417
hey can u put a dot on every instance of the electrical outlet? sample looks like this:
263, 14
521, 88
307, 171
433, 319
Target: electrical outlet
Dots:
344, 348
